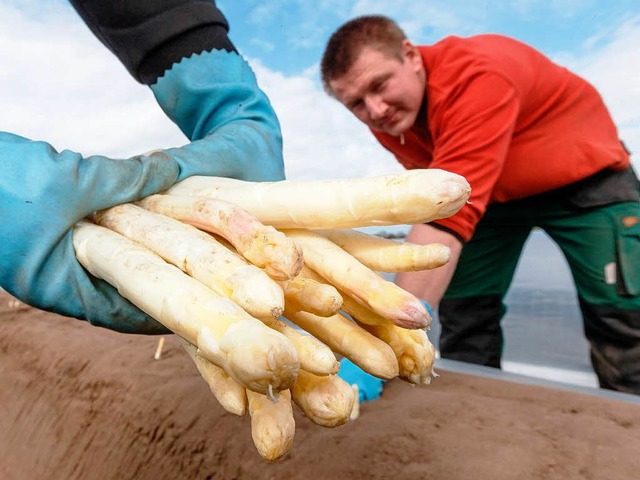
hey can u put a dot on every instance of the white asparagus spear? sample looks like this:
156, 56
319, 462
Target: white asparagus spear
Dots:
408, 197
321, 297
355, 411
349, 304
229, 393
272, 424
386, 255
348, 339
314, 355
362, 312
327, 401
312, 295
412, 348
199, 255
415, 353
349, 275
261, 244
255, 355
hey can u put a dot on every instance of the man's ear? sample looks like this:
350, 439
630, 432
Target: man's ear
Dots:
411, 54
409, 50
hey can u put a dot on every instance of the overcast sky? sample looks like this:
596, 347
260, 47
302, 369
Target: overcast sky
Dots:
59, 84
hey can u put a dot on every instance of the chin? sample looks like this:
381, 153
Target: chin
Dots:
400, 128
397, 131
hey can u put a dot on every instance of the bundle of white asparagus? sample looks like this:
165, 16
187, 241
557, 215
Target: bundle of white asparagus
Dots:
264, 283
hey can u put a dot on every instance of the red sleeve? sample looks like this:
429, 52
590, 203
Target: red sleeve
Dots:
472, 127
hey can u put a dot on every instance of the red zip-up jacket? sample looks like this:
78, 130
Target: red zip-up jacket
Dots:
509, 120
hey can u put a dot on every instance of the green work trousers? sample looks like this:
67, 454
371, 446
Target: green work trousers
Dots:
602, 248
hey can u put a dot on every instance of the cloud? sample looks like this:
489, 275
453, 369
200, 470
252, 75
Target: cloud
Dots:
612, 64
558, 8
263, 44
421, 20
61, 85
321, 138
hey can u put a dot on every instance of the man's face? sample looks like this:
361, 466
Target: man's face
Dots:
383, 92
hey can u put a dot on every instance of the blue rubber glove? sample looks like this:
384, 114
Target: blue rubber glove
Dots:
43, 193
428, 307
213, 98
369, 387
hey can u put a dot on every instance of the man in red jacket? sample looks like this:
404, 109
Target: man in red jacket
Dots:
538, 147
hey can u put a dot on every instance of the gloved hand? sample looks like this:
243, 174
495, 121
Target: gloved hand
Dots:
369, 387
214, 99
43, 193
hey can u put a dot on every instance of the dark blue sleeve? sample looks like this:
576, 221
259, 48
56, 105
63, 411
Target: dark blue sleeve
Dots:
149, 36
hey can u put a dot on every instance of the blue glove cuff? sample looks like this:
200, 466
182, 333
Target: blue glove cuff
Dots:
214, 97
428, 307
219, 79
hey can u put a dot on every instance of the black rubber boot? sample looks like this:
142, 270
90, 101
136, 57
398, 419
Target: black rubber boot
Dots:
614, 336
471, 329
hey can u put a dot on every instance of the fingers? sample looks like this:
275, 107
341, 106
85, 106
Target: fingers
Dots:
104, 182
110, 310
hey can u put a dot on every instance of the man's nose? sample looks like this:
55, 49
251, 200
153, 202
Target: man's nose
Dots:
376, 106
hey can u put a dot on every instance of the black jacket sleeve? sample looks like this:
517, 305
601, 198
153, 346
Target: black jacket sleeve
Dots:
149, 36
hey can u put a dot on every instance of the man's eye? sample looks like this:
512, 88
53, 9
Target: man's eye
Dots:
378, 86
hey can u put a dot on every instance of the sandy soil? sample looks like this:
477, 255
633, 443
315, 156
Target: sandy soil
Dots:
80, 402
